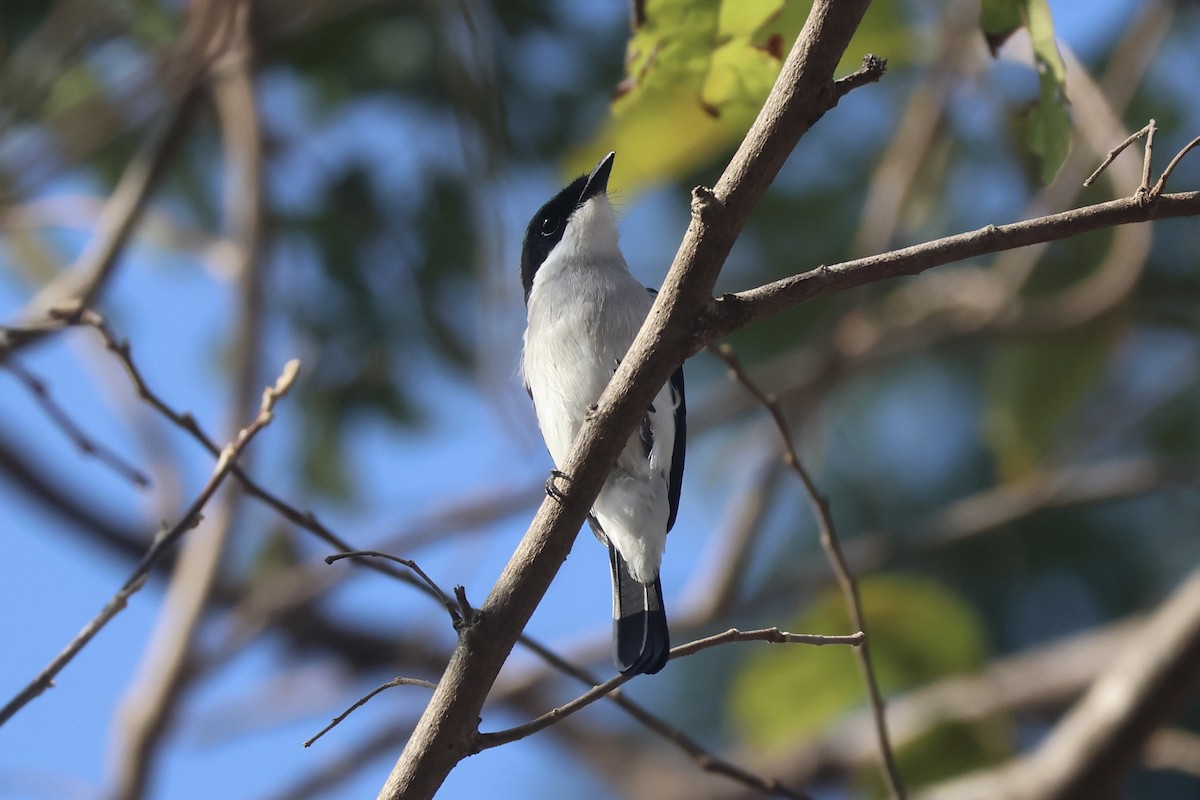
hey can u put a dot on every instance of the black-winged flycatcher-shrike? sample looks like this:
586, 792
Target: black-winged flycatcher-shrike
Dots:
584, 310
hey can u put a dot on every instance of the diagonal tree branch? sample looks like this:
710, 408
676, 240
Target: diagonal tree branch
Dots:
804, 91
1146, 685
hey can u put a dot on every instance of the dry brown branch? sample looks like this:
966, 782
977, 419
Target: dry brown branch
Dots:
707, 760
486, 741
1157, 188
1148, 132
187, 423
266, 603
1090, 748
732, 312
161, 544
837, 562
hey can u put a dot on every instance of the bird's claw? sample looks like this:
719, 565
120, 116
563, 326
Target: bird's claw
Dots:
591, 411
552, 489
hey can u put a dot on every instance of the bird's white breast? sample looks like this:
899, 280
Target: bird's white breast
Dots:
587, 309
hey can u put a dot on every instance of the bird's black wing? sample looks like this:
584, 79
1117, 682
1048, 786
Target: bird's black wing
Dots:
679, 398
677, 455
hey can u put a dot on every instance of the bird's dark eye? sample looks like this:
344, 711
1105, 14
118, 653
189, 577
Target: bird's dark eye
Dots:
549, 226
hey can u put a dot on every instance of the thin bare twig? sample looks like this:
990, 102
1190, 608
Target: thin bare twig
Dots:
1116, 151
1150, 192
703, 758
72, 430
455, 617
161, 544
837, 560
732, 312
486, 741
398, 681
1161, 183
186, 422
1147, 157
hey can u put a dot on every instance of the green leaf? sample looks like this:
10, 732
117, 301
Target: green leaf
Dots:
1048, 125
1034, 386
73, 87
999, 20
1041, 31
697, 74
920, 630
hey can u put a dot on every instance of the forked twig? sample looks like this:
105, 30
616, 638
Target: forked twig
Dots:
486, 741
1147, 131
837, 560
1145, 190
705, 759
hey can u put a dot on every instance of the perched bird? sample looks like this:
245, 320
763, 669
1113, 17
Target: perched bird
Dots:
584, 310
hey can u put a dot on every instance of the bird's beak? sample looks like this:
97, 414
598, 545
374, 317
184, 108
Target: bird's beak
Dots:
597, 181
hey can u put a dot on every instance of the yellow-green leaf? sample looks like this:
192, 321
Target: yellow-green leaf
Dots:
698, 71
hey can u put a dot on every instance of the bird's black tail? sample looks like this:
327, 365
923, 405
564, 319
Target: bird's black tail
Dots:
640, 640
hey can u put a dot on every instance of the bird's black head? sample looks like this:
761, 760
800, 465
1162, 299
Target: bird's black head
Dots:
546, 228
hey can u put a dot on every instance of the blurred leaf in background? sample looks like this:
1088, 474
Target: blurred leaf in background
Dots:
920, 631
